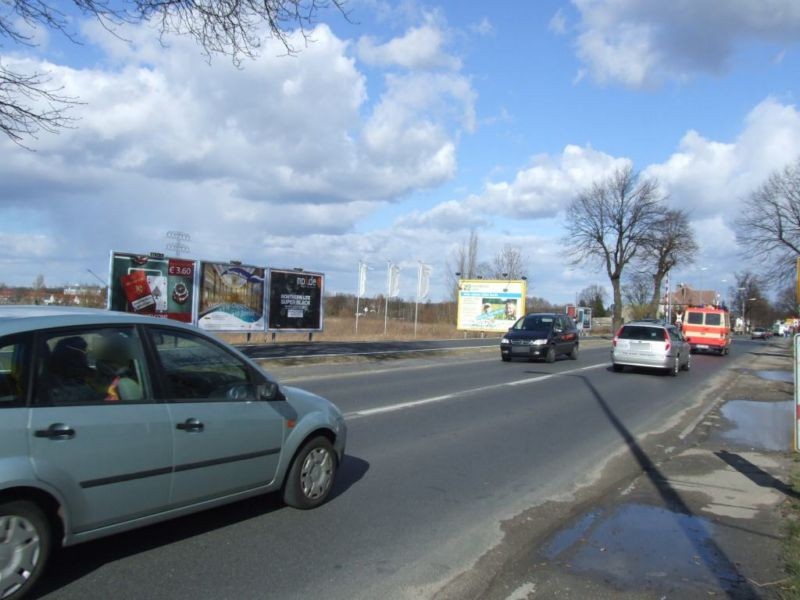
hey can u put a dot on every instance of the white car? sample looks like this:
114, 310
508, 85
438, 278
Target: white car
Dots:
650, 344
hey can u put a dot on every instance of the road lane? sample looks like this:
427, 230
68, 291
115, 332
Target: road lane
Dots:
422, 490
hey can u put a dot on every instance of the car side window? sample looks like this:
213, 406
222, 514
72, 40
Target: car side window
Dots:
195, 368
90, 366
13, 371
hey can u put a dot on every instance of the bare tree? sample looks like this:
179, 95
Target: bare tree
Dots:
769, 226
747, 295
463, 262
594, 296
786, 301
637, 292
509, 263
610, 222
235, 28
670, 243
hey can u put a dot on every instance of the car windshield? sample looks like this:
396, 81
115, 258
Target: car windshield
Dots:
535, 323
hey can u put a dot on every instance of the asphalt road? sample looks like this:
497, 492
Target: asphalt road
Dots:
440, 452
324, 349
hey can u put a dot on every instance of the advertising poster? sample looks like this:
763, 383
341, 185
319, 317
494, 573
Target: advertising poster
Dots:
231, 297
295, 300
489, 304
152, 285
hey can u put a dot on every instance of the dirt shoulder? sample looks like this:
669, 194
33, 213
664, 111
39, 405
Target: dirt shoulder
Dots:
703, 514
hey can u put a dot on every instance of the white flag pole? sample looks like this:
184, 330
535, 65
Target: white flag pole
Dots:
388, 291
416, 304
358, 296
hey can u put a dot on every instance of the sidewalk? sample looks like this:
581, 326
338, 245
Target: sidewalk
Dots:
706, 522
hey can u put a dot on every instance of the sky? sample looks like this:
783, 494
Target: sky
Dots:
394, 132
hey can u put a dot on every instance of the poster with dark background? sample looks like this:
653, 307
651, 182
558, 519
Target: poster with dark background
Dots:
295, 300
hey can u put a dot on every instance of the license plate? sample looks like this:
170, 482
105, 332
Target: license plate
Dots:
703, 346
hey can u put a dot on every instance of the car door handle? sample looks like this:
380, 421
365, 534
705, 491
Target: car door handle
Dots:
190, 425
56, 431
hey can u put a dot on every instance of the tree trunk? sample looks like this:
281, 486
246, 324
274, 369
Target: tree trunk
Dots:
616, 320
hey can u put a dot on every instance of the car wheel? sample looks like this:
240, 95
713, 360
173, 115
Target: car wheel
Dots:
311, 476
617, 368
551, 355
25, 541
505, 358
574, 354
676, 366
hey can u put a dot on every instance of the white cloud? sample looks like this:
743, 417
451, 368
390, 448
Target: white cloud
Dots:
558, 23
709, 178
419, 48
642, 43
483, 27
288, 146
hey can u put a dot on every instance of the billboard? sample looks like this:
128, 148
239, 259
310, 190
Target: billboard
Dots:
231, 297
153, 285
490, 304
295, 300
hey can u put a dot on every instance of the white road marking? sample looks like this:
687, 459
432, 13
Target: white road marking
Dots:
368, 412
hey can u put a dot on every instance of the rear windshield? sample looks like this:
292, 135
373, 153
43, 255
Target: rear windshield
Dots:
642, 332
696, 318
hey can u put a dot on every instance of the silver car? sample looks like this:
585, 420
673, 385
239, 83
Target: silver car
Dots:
112, 421
650, 344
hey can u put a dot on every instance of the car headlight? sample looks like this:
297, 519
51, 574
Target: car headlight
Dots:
504, 341
538, 342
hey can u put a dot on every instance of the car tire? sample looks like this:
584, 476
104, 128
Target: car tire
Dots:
311, 475
617, 368
505, 358
574, 353
27, 531
676, 366
551, 355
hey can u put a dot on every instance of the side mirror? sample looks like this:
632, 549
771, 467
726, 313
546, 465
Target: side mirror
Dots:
270, 391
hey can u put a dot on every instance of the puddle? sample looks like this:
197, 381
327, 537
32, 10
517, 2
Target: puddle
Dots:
639, 543
568, 537
762, 425
785, 376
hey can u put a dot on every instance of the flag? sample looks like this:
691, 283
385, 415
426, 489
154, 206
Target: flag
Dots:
423, 280
393, 281
362, 279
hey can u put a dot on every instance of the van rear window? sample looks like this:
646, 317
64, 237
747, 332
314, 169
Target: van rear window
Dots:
694, 318
713, 319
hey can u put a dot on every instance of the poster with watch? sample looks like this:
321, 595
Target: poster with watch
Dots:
152, 284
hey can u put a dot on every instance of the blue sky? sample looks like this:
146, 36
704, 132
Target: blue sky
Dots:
392, 135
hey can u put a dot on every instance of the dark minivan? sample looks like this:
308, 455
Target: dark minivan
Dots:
541, 335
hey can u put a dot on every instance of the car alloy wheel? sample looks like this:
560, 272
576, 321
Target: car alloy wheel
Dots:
24, 547
311, 476
316, 475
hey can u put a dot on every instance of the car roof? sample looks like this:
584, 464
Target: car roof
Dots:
647, 323
20, 318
